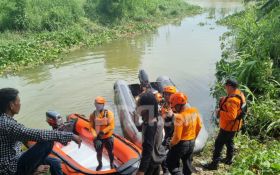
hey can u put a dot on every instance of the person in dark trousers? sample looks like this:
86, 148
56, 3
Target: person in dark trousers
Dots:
102, 129
168, 117
187, 126
54, 164
153, 153
230, 108
12, 134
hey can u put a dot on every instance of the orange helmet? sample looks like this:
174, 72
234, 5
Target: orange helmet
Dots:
170, 89
100, 100
178, 98
158, 97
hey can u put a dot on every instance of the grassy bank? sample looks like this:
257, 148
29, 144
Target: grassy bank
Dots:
251, 54
251, 157
35, 32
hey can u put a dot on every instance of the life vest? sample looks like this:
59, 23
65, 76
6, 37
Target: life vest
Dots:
102, 121
233, 124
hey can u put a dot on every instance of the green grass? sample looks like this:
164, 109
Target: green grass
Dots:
254, 157
251, 157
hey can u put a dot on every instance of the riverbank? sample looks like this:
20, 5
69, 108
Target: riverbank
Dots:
251, 157
34, 40
251, 55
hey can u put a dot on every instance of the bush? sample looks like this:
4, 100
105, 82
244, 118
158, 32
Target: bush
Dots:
41, 47
114, 11
12, 14
253, 59
35, 15
263, 120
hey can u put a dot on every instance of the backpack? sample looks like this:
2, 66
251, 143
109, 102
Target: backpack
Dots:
243, 106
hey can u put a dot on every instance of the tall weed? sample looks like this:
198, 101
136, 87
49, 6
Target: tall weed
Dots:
253, 59
39, 15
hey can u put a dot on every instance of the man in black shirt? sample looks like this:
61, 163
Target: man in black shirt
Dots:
13, 134
153, 153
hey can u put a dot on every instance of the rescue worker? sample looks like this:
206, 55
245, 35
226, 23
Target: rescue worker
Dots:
153, 153
168, 116
167, 113
102, 128
187, 125
229, 111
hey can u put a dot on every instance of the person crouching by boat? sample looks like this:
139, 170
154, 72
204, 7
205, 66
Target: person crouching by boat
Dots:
187, 125
13, 134
168, 116
153, 153
102, 127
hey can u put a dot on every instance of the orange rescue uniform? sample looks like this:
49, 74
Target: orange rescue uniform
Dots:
187, 125
231, 108
103, 121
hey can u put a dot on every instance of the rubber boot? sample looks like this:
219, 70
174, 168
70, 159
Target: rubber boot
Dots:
99, 158
99, 167
113, 166
229, 156
227, 161
211, 166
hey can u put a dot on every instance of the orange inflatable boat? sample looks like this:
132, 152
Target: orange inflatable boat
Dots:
78, 161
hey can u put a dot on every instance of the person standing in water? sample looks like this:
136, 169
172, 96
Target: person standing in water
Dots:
102, 127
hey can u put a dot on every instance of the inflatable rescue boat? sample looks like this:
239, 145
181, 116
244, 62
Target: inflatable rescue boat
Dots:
78, 161
125, 102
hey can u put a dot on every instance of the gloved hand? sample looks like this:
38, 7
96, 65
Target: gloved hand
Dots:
100, 135
97, 143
